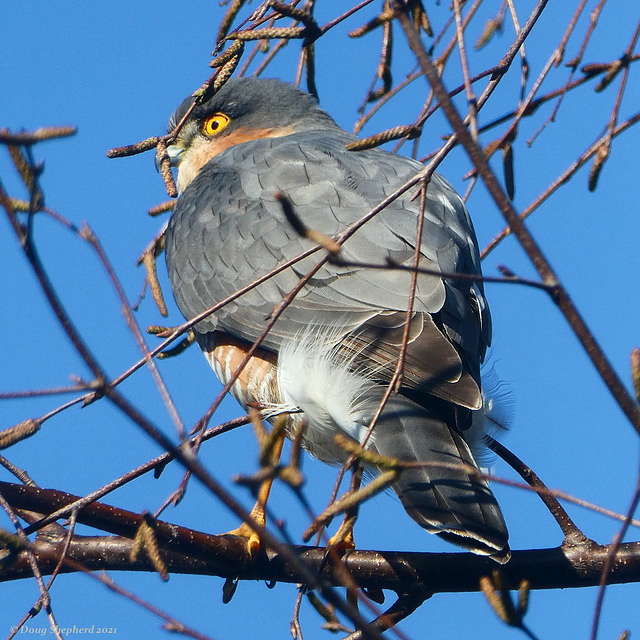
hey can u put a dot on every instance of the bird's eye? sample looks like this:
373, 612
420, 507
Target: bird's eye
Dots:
215, 123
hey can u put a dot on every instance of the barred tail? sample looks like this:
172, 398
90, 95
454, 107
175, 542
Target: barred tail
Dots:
441, 497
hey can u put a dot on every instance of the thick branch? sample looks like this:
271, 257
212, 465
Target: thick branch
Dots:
193, 552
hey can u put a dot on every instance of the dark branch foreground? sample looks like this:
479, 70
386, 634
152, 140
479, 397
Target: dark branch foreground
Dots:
193, 552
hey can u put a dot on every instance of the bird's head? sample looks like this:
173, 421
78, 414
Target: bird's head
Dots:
243, 109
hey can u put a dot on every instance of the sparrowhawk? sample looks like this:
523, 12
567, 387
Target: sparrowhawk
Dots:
259, 144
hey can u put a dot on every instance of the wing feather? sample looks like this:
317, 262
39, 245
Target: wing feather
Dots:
228, 228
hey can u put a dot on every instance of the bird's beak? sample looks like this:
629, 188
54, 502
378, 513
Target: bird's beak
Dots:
175, 154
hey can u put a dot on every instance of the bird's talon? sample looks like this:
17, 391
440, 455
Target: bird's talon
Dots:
251, 537
343, 541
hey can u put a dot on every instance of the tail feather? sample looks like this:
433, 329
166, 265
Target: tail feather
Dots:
438, 492
441, 495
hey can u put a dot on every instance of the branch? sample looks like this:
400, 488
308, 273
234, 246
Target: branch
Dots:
193, 552
561, 298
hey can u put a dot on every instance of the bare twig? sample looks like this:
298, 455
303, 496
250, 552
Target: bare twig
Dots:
561, 298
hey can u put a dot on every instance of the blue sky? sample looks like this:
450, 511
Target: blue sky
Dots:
117, 71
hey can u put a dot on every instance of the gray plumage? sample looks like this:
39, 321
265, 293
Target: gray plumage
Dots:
228, 228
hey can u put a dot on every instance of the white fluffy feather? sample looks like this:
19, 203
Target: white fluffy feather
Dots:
316, 379
320, 384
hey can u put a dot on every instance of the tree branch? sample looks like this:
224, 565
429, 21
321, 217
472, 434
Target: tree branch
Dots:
188, 551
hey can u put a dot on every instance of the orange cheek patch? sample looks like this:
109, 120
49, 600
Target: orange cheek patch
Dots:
203, 150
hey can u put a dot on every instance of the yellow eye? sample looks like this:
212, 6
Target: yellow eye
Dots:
214, 124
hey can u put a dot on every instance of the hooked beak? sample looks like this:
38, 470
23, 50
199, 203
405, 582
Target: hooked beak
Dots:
175, 154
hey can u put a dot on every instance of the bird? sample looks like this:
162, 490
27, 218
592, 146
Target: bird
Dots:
247, 157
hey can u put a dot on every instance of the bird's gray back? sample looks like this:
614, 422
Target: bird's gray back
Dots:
228, 229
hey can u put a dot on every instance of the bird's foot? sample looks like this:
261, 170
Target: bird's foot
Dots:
342, 540
245, 531
271, 452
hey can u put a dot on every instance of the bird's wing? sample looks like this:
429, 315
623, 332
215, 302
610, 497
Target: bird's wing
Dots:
228, 229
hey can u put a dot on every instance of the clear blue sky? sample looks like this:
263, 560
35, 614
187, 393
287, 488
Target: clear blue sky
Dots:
116, 71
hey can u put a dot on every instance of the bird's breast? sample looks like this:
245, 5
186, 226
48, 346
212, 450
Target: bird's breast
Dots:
255, 377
